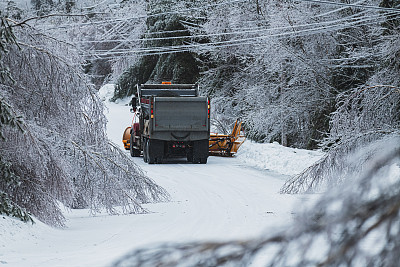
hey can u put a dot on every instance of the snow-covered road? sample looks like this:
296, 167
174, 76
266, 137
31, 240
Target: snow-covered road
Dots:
220, 200
223, 199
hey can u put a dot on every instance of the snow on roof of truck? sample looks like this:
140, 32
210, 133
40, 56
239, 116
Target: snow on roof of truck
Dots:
168, 90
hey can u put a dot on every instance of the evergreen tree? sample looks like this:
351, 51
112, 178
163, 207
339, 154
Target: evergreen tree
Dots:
164, 32
8, 118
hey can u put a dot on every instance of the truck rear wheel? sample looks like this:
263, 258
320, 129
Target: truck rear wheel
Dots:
134, 152
199, 160
150, 157
203, 160
145, 151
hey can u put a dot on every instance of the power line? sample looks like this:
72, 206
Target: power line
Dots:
222, 34
337, 10
145, 16
202, 8
387, 9
315, 28
256, 30
244, 41
266, 30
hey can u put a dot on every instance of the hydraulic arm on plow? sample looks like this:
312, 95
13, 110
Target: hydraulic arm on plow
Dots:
226, 145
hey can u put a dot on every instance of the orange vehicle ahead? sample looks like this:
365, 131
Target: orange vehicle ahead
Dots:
126, 138
226, 145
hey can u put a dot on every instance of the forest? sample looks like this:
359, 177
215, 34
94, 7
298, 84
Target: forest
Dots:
308, 74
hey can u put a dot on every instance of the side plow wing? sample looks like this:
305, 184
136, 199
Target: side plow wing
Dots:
226, 145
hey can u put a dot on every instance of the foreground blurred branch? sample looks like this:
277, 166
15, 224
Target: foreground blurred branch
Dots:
356, 224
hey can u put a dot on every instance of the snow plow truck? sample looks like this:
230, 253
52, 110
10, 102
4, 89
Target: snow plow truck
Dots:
170, 121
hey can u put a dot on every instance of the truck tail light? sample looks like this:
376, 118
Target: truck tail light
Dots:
151, 109
208, 108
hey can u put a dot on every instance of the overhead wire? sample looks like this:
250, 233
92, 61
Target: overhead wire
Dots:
174, 49
243, 41
292, 27
232, 33
337, 9
386, 9
118, 19
319, 26
145, 16
222, 34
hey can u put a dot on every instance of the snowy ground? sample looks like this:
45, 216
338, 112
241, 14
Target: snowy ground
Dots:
228, 198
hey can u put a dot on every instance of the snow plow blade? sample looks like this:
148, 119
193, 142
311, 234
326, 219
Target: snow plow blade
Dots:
226, 145
126, 138
219, 144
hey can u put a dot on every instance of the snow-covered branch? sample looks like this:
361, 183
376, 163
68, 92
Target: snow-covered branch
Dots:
351, 225
63, 155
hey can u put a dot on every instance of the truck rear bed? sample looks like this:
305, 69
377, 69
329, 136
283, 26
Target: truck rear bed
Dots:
180, 114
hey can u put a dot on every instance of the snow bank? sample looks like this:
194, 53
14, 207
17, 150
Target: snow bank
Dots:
276, 158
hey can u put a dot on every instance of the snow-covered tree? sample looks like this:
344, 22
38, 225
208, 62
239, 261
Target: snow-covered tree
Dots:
280, 65
62, 155
105, 33
8, 118
365, 113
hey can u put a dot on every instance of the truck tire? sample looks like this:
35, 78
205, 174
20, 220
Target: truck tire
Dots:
134, 152
199, 160
150, 157
200, 151
145, 151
